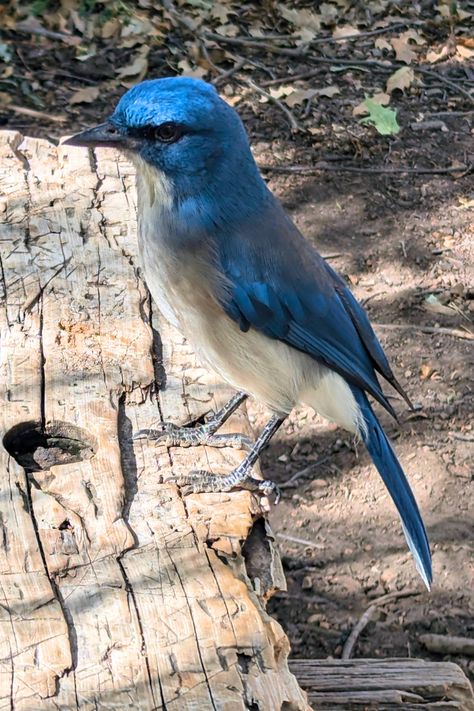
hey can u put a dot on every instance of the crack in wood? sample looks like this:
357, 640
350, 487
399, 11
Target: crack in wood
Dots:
196, 634
72, 636
131, 593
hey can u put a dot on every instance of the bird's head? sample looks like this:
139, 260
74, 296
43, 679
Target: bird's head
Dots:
178, 125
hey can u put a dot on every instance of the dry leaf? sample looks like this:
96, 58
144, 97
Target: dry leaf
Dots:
186, 70
233, 100
78, 21
403, 51
328, 91
302, 19
110, 28
434, 56
426, 371
464, 52
401, 44
228, 30
256, 31
297, 96
85, 96
137, 27
277, 93
414, 37
401, 79
221, 12
138, 66
7, 72
466, 203
305, 35
466, 41
450, 10
329, 13
454, 166
283, 90
345, 31
381, 98
382, 43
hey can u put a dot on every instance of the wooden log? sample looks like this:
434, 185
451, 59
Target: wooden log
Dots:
116, 591
384, 685
448, 644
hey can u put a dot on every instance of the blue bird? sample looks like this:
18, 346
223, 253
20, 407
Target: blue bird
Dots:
228, 267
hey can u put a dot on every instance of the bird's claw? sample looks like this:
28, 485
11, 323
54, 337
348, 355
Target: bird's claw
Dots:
171, 435
269, 489
200, 481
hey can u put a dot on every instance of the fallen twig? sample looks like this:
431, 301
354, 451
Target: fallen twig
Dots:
446, 81
363, 621
456, 332
450, 114
255, 44
318, 167
333, 255
292, 77
461, 436
301, 541
57, 118
294, 125
448, 644
291, 482
369, 33
226, 74
33, 27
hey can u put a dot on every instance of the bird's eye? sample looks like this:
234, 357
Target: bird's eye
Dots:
168, 132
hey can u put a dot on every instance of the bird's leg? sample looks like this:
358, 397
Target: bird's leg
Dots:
241, 476
174, 436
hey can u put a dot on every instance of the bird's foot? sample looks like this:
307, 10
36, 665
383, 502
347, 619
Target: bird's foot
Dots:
201, 481
173, 436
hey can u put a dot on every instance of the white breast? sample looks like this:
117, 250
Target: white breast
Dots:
154, 199
185, 286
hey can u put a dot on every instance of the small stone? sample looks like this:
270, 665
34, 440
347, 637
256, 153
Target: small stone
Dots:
307, 583
388, 575
320, 483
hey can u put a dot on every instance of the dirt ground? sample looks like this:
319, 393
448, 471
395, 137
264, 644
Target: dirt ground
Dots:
404, 242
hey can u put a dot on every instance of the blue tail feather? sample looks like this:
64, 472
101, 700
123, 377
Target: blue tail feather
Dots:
396, 482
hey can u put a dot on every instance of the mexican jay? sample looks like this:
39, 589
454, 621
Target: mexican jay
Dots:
228, 267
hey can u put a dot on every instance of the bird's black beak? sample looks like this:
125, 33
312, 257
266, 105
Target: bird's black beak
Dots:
106, 135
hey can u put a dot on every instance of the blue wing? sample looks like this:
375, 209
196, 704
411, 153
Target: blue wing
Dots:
280, 286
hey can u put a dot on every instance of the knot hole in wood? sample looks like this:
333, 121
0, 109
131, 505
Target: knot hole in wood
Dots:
38, 447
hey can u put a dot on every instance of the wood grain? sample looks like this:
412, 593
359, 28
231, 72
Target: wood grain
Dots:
384, 685
117, 592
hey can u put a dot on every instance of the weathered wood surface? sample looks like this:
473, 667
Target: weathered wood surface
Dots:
384, 685
116, 592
